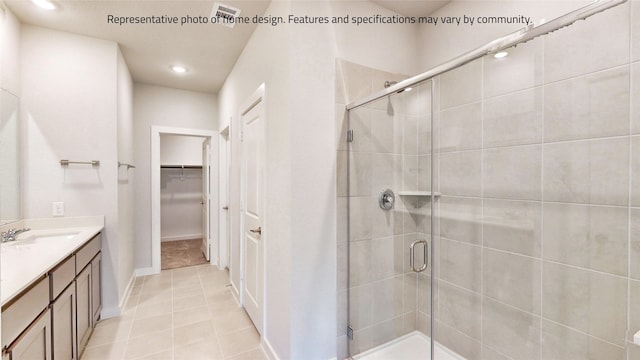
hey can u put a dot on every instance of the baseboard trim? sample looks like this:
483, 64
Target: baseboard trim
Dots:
181, 237
268, 349
145, 271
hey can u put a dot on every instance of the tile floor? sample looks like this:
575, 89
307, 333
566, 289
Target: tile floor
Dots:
181, 253
187, 313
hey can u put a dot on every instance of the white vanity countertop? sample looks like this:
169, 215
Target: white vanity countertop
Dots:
39, 250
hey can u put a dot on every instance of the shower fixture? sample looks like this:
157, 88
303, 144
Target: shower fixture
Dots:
391, 83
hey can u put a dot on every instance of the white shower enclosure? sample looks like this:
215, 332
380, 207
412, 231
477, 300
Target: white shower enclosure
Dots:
487, 204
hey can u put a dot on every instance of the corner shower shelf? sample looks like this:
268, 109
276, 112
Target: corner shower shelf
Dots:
417, 193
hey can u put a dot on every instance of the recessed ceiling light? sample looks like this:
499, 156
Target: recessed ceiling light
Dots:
44, 4
408, 89
179, 69
500, 54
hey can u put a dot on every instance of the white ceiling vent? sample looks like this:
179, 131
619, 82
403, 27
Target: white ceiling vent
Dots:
225, 14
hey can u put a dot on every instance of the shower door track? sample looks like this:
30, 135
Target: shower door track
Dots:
523, 35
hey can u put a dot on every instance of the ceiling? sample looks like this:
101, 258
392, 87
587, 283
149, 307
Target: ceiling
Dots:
412, 7
208, 51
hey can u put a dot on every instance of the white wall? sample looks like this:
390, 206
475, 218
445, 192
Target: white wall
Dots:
126, 178
297, 64
265, 59
181, 150
438, 44
161, 106
69, 110
9, 52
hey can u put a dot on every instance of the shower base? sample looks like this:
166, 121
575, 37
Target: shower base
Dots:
413, 346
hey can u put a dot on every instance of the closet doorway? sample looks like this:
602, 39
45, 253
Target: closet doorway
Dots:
183, 197
184, 186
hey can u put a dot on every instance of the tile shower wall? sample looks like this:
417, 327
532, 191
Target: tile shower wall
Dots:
538, 163
389, 151
539, 159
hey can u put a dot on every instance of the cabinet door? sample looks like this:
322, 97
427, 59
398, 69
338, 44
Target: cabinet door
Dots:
96, 284
84, 313
63, 321
35, 342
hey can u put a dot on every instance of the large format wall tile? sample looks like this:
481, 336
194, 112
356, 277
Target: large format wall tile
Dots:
513, 119
462, 85
593, 237
460, 264
561, 342
387, 302
634, 314
457, 341
635, 171
461, 219
460, 173
521, 69
634, 244
360, 173
510, 331
592, 302
387, 256
513, 226
519, 287
597, 43
360, 262
360, 217
592, 171
635, 97
512, 172
591, 106
387, 172
386, 132
635, 30
460, 128
359, 120
461, 309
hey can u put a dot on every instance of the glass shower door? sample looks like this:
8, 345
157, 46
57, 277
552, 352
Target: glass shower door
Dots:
389, 245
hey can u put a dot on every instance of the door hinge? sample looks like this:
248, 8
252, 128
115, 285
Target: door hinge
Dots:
349, 332
350, 136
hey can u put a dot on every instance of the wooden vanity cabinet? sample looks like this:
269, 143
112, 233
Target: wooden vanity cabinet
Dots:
63, 321
96, 286
85, 314
54, 318
34, 342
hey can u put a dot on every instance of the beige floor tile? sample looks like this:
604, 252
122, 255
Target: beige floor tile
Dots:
188, 290
113, 351
206, 349
189, 302
149, 344
145, 310
163, 355
222, 305
190, 316
156, 296
239, 342
200, 331
231, 321
255, 354
112, 332
150, 325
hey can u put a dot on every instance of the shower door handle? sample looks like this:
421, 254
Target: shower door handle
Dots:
425, 260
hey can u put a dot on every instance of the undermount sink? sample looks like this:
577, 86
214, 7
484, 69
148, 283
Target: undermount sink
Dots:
41, 236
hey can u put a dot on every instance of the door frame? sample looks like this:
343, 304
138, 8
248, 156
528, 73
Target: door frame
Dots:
225, 199
257, 96
156, 131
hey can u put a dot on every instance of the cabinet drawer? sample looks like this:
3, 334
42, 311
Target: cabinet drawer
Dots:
62, 276
87, 252
21, 312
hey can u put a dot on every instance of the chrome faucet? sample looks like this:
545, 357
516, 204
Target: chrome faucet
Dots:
11, 234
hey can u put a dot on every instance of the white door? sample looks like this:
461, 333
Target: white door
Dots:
253, 230
224, 200
206, 199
